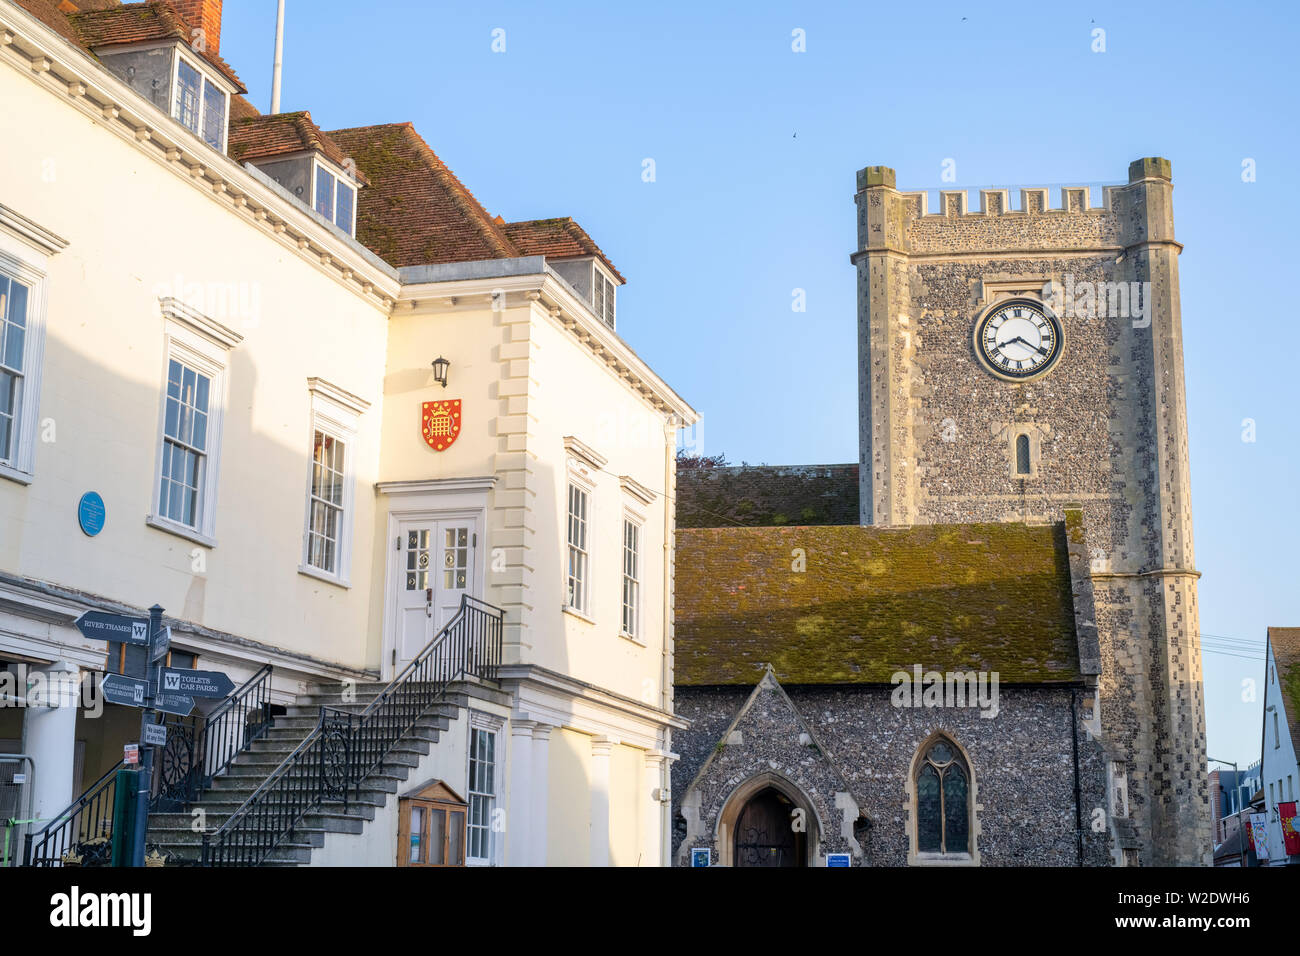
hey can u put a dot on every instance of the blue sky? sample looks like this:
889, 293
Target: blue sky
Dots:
755, 148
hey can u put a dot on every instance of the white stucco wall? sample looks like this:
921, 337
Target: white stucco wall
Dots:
1278, 766
136, 231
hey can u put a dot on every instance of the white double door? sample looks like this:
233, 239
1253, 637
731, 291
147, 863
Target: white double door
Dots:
433, 563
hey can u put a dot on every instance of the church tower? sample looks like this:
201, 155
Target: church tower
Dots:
1016, 361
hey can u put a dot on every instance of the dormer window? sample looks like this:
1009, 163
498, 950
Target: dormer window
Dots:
200, 105
336, 199
602, 298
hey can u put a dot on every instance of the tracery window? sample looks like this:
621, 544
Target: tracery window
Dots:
943, 801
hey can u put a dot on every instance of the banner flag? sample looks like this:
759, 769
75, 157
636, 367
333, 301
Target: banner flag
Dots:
1286, 812
1259, 831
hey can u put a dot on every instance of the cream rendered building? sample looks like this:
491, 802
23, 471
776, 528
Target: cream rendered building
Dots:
197, 342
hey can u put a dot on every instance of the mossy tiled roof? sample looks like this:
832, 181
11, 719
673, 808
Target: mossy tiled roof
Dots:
1285, 642
258, 137
767, 495
873, 601
556, 239
137, 22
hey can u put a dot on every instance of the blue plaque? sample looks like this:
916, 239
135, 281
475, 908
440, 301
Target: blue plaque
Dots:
90, 513
838, 859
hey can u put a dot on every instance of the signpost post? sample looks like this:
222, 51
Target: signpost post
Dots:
145, 779
158, 689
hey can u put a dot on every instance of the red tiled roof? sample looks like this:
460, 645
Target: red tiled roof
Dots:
138, 22
262, 137
47, 11
417, 212
241, 108
556, 239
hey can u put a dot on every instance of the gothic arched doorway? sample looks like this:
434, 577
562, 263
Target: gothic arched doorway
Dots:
765, 834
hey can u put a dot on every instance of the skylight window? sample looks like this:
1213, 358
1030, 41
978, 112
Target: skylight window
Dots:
200, 105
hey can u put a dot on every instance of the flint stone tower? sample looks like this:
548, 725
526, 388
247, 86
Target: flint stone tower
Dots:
949, 435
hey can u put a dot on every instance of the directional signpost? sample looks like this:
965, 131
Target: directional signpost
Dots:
130, 691
161, 643
101, 626
176, 680
170, 690
178, 704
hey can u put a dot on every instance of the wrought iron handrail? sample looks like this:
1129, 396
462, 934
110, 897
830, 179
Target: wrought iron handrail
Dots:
345, 747
89, 817
194, 755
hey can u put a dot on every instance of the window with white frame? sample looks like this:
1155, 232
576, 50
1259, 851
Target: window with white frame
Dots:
602, 297
185, 444
482, 793
189, 432
576, 590
631, 578
14, 366
336, 199
22, 341
200, 105
325, 501
327, 537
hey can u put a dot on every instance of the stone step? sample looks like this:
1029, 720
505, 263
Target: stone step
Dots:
289, 853
307, 715
173, 833
218, 811
235, 792
286, 747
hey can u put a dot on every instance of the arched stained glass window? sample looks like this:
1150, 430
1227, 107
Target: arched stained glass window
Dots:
1022, 454
942, 801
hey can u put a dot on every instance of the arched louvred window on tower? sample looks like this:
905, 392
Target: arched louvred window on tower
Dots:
943, 801
1022, 454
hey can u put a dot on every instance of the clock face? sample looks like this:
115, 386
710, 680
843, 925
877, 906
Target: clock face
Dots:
1018, 339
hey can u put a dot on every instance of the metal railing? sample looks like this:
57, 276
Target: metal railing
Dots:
344, 747
198, 748
84, 830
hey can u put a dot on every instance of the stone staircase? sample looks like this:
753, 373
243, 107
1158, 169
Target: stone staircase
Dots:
174, 835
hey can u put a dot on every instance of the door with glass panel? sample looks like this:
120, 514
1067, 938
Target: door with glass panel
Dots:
435, 566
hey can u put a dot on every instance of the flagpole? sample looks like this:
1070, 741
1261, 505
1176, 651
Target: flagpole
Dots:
278, 66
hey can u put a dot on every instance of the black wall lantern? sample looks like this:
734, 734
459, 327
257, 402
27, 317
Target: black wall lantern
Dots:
440, 366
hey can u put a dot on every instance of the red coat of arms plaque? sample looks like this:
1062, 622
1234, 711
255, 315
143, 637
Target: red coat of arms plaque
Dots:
440, 423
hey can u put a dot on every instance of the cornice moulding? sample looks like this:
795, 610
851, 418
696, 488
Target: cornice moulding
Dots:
192, 318
352, 403
93, 90
33, 232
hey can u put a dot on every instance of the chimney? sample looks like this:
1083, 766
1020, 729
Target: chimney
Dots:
202, 15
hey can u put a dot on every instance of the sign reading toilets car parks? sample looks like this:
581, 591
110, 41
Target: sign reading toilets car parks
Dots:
196, 683
99, 626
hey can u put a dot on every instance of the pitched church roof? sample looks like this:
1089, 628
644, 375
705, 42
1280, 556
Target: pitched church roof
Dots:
1285, 642
767, 495
867, 602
